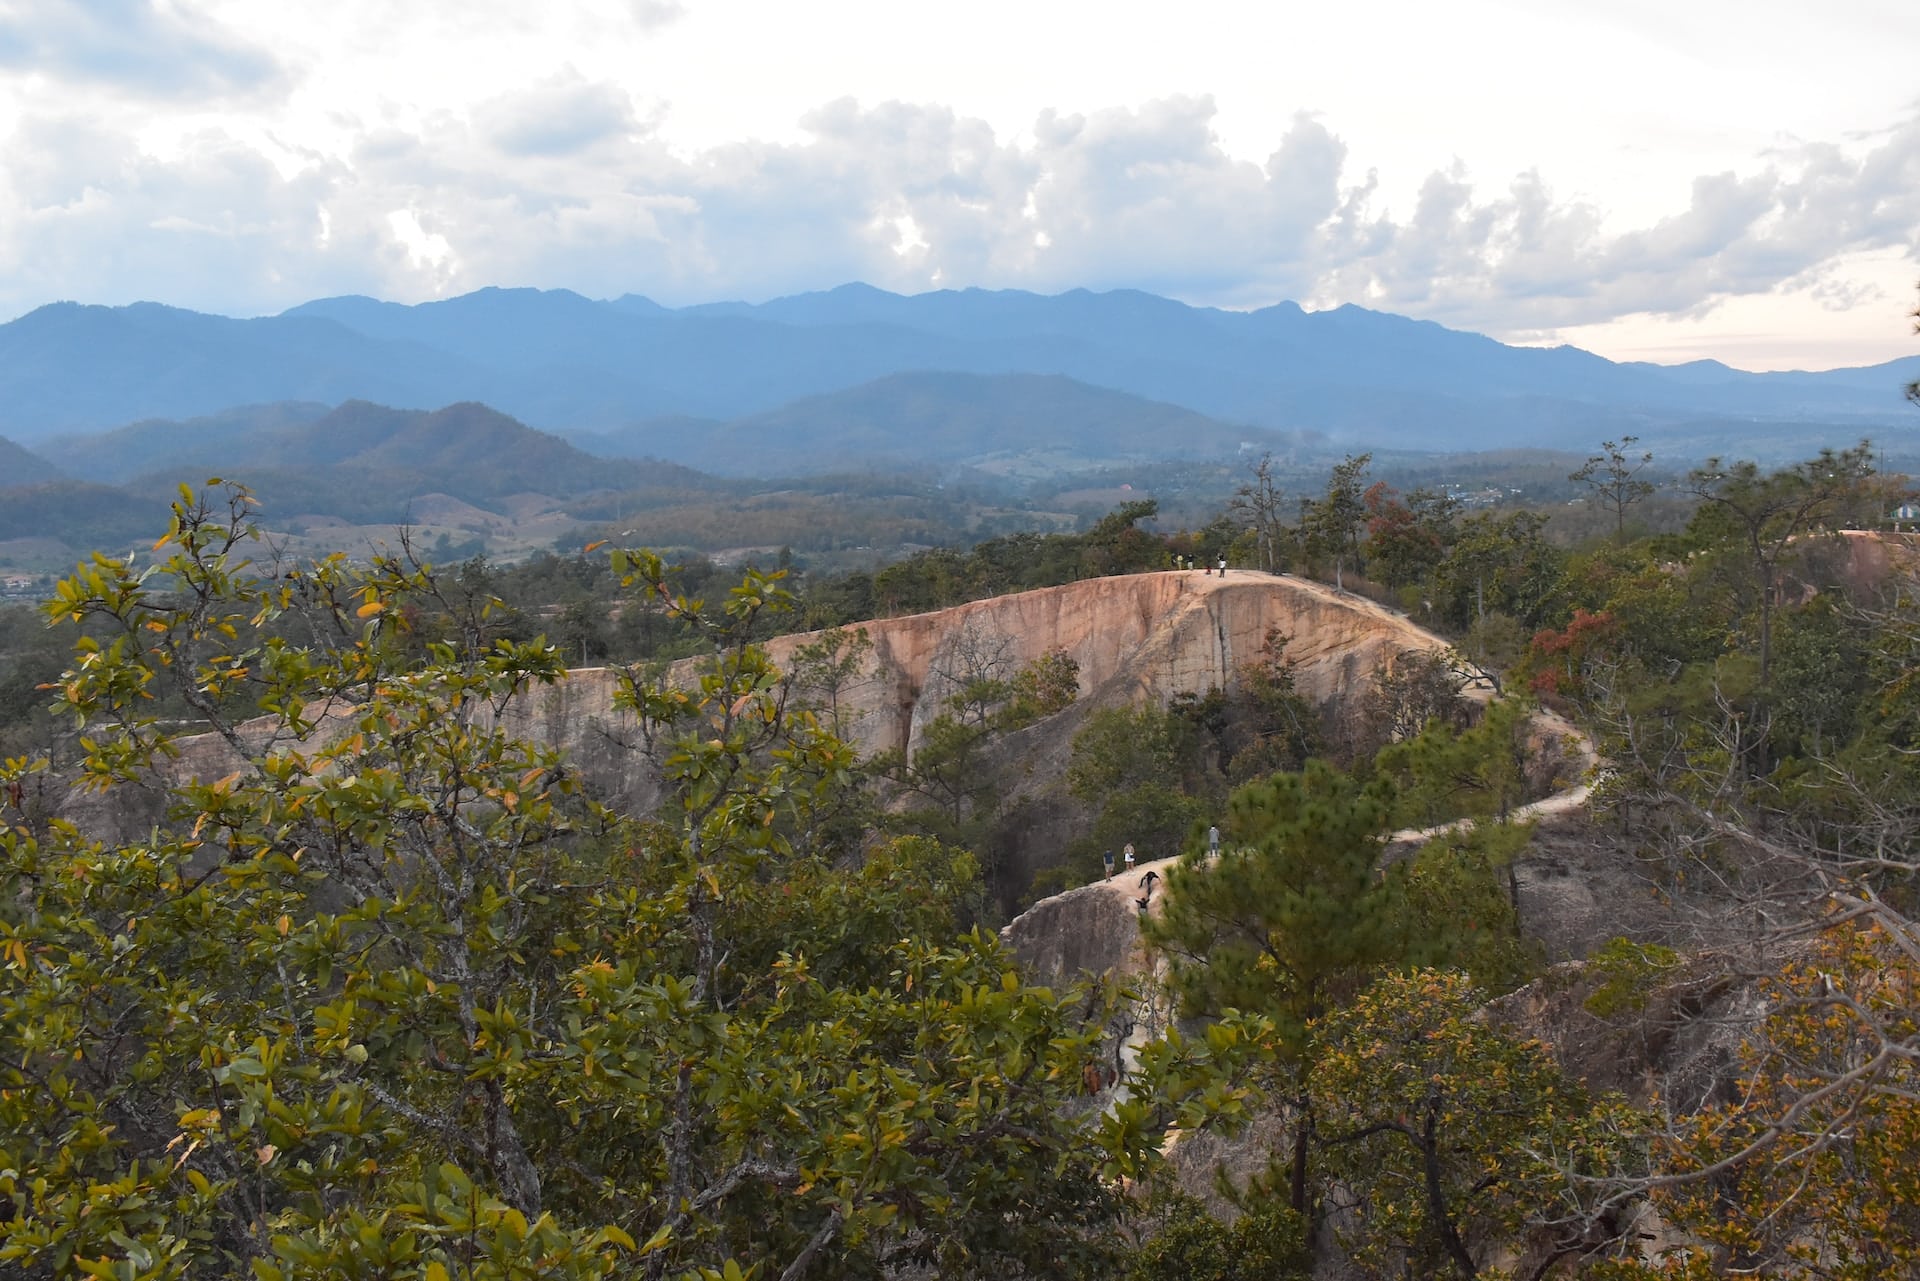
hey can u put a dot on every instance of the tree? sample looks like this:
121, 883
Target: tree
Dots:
1332, 522
1132, 766
950, 766
1265, 1242
1419, 686
1267, 724
1444, 773
1450, 1138
1913, 388
1614, 477
1763, 515
827, 670
1291, 919
1116, 544
1507, 558
1257, 505
1462, 909
1810, 1168
350, 1009
1408, 539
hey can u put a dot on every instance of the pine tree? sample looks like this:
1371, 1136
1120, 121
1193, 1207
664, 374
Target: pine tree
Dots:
1292, 918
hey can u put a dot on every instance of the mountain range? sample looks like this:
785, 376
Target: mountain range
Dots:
732, 381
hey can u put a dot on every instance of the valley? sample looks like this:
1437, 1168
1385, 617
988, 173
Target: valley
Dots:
478, 791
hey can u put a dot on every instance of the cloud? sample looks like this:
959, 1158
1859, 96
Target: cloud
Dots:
565, 184
651, 15
561, 116
1524, 260
89, 216
133, 46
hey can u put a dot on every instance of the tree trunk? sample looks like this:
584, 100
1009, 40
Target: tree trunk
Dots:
1441, 1221
1303, 1127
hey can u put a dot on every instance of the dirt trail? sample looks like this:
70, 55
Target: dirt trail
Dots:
1151, 1017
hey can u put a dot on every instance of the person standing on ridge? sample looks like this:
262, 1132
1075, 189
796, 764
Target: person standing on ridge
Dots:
1127, 852
1223, 567
1213, 841
1107, 858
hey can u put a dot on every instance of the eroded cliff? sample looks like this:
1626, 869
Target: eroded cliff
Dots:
1135, 638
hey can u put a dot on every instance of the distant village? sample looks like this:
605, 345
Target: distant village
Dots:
29, 587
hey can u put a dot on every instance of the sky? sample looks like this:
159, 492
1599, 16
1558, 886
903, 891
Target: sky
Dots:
1646, 179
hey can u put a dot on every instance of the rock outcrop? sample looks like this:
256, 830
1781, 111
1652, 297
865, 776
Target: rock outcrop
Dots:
1136, 638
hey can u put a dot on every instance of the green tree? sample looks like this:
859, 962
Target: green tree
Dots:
1291, 919
1462, 911
1418, 687
1443, 773
393, 997
1133, 766
1913, 388
1117, 545
1613, 476
1761, 515
1269, 724
952, 770
1265, 1242
1451, 1138
1500, 564
827, 671
1332, 523
1820, 670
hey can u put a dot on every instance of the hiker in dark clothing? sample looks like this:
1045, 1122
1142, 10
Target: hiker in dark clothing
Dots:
1146, 882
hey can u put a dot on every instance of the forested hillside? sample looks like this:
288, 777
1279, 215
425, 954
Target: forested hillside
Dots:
359, 1005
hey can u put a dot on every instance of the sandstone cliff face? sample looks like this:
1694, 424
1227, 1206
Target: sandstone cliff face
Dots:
1136, 638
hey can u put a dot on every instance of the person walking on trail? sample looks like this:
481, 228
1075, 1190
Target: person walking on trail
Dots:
1146, 882
1223, 567
1213, 841
1107, 858
1128, 853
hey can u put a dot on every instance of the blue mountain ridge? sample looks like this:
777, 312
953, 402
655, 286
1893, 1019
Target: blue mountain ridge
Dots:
557, 360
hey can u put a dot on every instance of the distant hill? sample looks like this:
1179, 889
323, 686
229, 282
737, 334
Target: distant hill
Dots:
69, 368
21, 466
560, 361
81, 515
365, 462
915, 419
205, 444
362, 463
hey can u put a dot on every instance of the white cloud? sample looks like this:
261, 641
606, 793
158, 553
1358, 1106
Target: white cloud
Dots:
560, 116
653, 14
133, 47
570, 180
